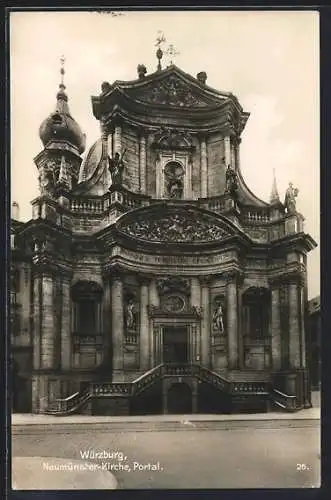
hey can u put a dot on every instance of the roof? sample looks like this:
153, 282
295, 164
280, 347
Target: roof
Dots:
314, 305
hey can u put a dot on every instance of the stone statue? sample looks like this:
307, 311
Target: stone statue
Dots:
231, 181
218, 318
175, 182
116, 167
46, 181
291, 194
131, 315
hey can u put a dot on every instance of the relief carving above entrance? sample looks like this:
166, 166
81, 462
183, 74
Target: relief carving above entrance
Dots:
182, 226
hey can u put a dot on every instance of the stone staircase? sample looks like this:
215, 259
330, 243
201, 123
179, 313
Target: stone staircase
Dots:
238, 385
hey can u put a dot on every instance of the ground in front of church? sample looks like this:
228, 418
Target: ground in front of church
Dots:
230, 453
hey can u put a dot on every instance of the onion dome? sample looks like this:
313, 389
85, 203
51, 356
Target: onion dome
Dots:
60, 125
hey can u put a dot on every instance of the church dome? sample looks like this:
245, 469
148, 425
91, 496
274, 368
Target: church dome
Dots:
60, 125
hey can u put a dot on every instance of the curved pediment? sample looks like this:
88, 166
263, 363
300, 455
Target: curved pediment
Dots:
179, 224
171, 87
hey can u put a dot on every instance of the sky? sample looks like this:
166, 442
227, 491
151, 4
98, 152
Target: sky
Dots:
269, 60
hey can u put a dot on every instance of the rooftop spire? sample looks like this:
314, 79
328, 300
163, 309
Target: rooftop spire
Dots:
62, 98
159, 53
274, 197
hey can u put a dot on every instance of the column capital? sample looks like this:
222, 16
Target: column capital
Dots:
144, 279
116, 273
205, 280
142, 132
233, 276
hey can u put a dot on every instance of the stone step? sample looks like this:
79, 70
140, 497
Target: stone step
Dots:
270, 422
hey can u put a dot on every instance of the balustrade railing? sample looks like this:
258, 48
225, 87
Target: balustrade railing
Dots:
256, 216
88, 205
285, 401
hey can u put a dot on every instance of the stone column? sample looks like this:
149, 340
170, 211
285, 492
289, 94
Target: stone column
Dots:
205, 323
237, 153
110, 144
154, 300
227, 150
107, 323
232, 320
204, 168
48, 331
117, 327
142, 163
144, 327
294, 325
196, 302
37, 305
302, 324
66, 343
159, 177
276, 342
189, 190
117, 146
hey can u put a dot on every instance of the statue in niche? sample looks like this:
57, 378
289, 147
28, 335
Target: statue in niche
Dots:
290, 202
131, 315
175, 180
218, 317
231, 181
116, 168
47, 179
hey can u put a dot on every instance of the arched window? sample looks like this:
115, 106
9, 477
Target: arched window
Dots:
86, 297
256, 306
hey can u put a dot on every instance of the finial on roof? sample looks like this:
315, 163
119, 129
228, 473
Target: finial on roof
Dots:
172, 52
62, 70
61, 95
15, 211
274, 197
159, 53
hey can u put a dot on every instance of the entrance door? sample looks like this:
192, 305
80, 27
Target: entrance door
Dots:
179, 399
175, 344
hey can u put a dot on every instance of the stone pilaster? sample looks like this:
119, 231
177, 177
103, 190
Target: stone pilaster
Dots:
204, 168
302, 326
294, 325
117, 327
66, 343
110, 144
227, 150
154, 300
205, 322
196, 302
232, 319
48, 331
276, 342
117, 146
144, 327
107, 326
37, 305
142, 163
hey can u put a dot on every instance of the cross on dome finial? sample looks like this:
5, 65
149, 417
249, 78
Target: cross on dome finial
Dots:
172, 52
62, 70
159, 53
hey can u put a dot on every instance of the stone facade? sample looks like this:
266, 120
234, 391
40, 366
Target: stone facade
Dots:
173, 282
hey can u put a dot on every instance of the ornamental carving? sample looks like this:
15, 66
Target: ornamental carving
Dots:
178, 227
168, 138
171, 284
174, 303
171, 92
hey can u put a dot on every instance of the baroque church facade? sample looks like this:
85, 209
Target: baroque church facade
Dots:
150, 279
